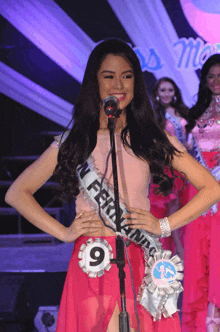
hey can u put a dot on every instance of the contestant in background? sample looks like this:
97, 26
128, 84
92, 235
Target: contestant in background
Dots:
201, 297
171, 113
92, 303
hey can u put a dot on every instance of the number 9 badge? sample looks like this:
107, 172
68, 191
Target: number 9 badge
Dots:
95, 257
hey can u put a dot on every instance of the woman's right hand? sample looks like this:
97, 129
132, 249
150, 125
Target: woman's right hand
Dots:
84, 222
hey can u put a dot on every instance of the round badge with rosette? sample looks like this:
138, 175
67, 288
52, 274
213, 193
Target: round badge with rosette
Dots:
163, 272
161, 285
95, 257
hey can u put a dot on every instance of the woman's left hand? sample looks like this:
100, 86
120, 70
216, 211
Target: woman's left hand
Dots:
139, 218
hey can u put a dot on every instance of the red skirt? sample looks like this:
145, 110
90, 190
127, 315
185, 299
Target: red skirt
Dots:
87, 304
201, 265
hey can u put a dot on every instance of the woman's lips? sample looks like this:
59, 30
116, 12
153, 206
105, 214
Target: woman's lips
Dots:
119, 96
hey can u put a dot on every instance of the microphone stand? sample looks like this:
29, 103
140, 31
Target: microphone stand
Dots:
120, 259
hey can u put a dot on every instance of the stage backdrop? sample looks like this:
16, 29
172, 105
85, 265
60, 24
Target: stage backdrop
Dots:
45, 45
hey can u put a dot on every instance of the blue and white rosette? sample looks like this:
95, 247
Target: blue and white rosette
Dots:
160, 287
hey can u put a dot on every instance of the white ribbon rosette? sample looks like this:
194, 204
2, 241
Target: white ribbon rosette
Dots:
95, 256
160, 287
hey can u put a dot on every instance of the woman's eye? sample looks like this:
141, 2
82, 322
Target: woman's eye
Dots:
108, 76
128, 76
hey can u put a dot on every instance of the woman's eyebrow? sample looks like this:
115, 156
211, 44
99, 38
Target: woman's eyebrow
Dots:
112, 72
107, 71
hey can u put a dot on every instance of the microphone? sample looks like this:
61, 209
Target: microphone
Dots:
110, 104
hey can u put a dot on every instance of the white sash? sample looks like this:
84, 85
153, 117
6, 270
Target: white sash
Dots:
90, 183
177, 127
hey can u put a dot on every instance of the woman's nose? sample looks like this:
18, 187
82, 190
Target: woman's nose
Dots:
118, 83
216, 80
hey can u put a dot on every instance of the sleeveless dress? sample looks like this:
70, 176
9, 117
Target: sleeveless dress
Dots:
202, 254
87, 304
175, 126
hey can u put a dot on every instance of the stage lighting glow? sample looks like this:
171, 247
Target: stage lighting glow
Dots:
204, 18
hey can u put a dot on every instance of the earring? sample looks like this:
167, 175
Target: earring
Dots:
174, 99
157, 98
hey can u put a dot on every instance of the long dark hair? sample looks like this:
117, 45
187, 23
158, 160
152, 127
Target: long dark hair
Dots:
204, 94
177, 104
146, 139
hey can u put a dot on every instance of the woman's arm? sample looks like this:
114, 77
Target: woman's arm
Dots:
20, 196
208, 190
20, 193
208, 194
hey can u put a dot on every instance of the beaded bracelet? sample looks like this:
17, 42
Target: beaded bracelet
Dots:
165, 227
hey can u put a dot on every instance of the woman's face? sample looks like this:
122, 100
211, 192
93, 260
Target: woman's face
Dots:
166, 92
213, 79
116, 78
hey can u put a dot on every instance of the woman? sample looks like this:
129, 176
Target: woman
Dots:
92, 304
171, 113
169, 107
202, 273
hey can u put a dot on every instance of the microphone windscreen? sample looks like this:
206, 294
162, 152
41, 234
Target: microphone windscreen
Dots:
110, 104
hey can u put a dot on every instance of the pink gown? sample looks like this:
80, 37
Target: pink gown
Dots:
202, 254
87, 304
